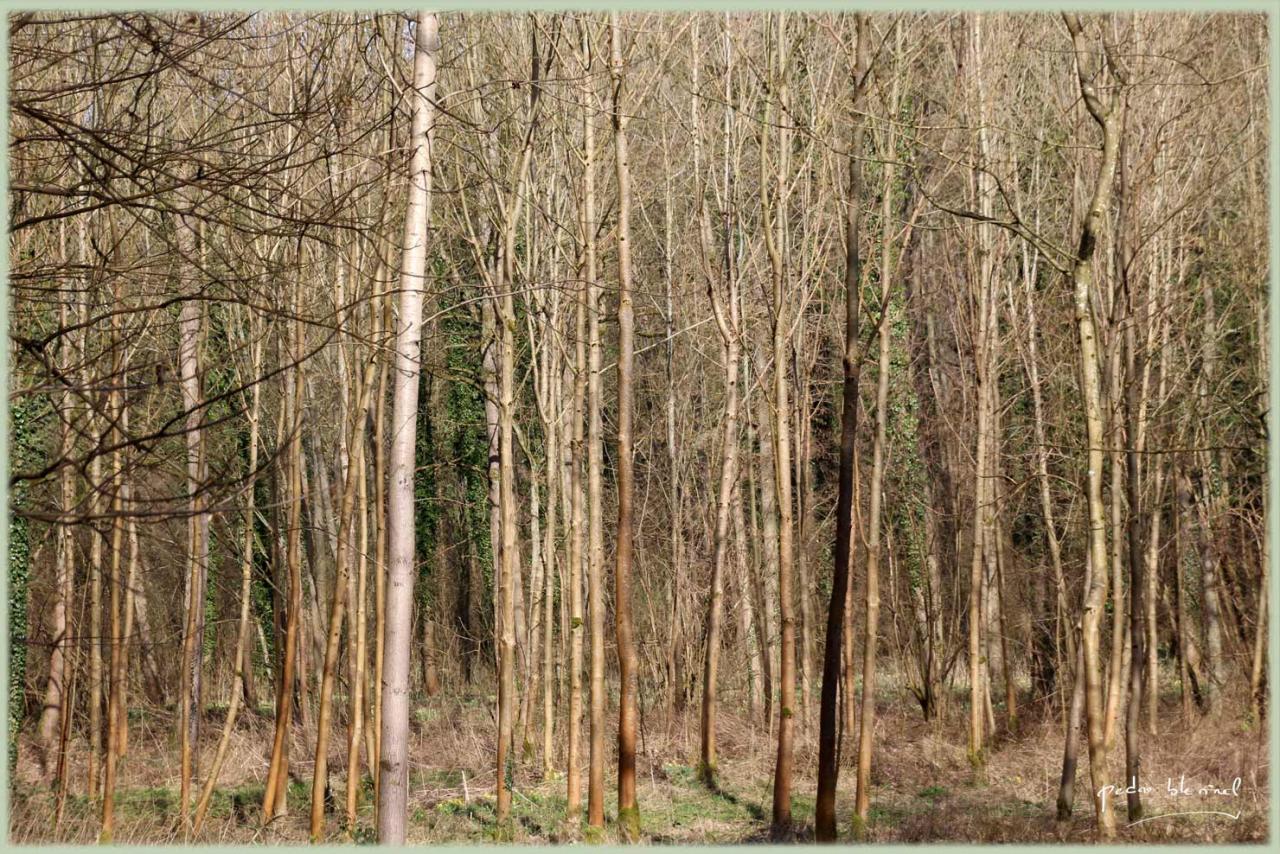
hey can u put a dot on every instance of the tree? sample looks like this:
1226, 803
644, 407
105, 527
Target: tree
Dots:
628, 811
828, 768
394, 767
1109, 117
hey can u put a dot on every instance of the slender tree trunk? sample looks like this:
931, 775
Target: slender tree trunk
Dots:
750, 623
769, 534
862, 806
1119, 598
774, 227
274, 801
1109, 121
761, 577
55, 695
549, 590
1042, 453
130, 584
595, 474
116, 672
506, 590
1135, 435
1257, 674
359, 651
628, 810
1071, 742
346, 517
978, 687
1188, 653
246, 583
189, 370
725, 311
674, 652
1207, 502
394, 745
804, 505
584, 304
381, 491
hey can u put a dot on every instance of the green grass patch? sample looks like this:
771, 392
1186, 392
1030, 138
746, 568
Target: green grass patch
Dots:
154, 800
681, 775
243, 801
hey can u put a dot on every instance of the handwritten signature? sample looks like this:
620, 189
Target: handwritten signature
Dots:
1178, 789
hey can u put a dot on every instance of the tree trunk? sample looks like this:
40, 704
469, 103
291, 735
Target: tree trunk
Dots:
1109, 121
246, 584
628, 811
55, 695
394, 746
193, 635
725, 311
879, 454
116, 672
774, 226
595, 474
346, 514
584, 304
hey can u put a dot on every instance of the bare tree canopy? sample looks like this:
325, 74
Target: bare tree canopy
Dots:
810, 426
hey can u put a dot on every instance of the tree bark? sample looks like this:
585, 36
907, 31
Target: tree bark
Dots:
394, 747
1109, 120
774, 227
628, 811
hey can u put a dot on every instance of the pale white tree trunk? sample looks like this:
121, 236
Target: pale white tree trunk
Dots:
394, 768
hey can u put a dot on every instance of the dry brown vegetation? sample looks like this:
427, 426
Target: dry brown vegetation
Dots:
925, 789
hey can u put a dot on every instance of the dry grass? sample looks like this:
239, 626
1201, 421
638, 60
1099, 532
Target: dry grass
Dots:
923, 788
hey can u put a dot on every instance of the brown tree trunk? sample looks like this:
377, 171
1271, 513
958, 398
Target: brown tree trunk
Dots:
346, 517
628, 810
774, 226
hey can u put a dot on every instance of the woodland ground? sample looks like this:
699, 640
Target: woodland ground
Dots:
923, 786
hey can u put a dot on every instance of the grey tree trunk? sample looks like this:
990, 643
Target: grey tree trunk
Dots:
394, 743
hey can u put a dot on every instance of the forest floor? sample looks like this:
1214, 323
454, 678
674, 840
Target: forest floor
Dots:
923, 787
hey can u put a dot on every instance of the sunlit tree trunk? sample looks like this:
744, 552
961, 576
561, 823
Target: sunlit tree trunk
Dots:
190, 323
773, 210
595, 465
346, 518
1109, 120
394, 747
628, 810
725, 311
274, 801
981, 545
577, 540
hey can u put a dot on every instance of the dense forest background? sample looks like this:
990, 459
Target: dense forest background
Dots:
856, 417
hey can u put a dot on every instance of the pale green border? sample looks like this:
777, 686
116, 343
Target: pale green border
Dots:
1271, 7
